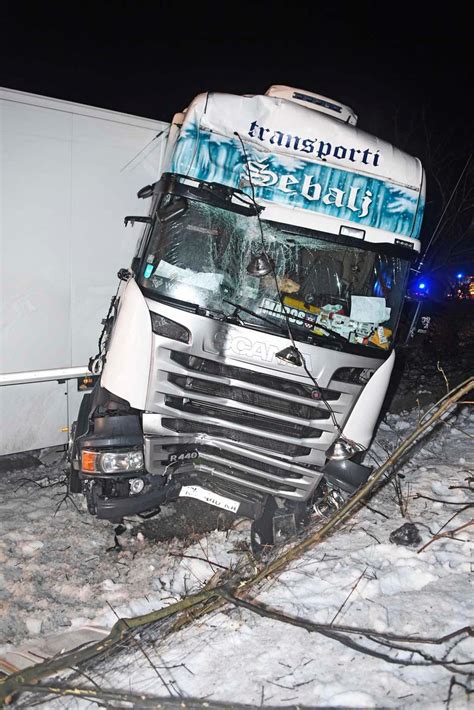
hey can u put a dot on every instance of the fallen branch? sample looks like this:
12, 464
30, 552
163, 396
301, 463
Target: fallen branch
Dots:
264, 610
445, 502
342, 634
458, 512
452, 683
200, 559
141, 700
448, 534
209, 600
354, 587
120, 631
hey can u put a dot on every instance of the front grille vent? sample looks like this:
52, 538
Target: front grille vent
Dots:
238, 416
186, 426
209, 367
252, 478
244, 396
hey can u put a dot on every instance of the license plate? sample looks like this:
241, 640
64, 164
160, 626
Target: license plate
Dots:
210, 498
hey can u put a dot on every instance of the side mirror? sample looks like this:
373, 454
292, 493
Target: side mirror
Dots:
132, 219
146, 191
414, 322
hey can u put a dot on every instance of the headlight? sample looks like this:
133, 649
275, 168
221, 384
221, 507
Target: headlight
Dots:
114, 462
168, 328
111, 461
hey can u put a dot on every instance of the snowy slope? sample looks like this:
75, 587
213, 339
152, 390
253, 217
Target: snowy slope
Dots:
56, 573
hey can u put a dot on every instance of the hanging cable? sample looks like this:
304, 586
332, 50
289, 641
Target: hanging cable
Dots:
164, 132
436, 229
283, 306
96, 363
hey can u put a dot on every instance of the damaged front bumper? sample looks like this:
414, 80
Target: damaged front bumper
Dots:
113, 497
123, 471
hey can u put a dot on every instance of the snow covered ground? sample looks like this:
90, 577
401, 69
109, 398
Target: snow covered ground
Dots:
56, 573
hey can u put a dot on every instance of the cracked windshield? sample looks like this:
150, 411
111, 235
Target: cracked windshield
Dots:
206, 256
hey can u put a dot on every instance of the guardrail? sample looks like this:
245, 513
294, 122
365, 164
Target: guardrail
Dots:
59, 374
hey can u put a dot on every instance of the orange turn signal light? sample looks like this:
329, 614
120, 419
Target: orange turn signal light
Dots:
88, 460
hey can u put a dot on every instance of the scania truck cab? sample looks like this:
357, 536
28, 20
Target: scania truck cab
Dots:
247, 353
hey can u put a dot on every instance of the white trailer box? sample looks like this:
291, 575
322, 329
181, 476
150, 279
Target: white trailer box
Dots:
68, 176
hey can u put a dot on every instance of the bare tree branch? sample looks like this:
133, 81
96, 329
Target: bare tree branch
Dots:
213, 598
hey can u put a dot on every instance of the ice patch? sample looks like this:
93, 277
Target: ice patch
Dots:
108, 585
441, 489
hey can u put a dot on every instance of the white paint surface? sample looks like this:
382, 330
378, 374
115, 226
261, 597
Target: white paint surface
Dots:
65, 188
33, 415
360, 425
127, 364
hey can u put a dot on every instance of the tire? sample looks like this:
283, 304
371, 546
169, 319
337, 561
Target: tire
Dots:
261, 532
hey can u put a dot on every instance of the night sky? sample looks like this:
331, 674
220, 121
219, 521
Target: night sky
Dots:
152, 62
405, 68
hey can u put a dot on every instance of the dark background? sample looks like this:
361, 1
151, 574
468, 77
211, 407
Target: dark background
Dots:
405, 68
150, 59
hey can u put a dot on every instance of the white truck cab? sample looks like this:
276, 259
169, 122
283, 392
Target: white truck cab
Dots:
251, 342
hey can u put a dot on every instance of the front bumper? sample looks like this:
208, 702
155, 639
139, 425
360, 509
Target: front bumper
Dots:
109, 497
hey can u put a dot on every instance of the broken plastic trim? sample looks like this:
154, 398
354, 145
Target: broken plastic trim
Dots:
347, 474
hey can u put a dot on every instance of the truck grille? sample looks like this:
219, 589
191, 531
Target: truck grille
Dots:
262, 430
262, 466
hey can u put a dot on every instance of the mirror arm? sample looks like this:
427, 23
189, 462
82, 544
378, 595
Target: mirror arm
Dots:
132, 219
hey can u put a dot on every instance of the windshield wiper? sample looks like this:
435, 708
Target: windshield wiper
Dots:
336, 336
331, 333
235, 315
212, 193
192, 307
170, 301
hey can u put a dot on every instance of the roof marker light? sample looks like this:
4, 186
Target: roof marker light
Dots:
352, 232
